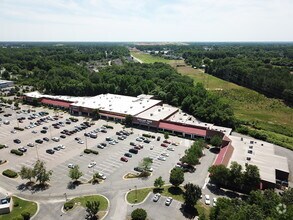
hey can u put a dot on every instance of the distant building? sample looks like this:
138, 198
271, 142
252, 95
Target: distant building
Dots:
5, 83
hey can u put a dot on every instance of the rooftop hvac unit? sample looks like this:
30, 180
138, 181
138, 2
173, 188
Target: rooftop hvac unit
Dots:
249, 151
159, 110
248, 158
241, 139
151, 114
250, 147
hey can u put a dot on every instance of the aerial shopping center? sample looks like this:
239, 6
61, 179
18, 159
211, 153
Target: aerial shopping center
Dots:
153, 114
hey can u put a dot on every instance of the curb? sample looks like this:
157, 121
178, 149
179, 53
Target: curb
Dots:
131, 204
38, 206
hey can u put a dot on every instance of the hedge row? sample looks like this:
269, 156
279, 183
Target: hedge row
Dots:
89, 151
9, 173
16, 152
18, 128
2, 146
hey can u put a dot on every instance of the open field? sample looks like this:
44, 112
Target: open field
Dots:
270, 116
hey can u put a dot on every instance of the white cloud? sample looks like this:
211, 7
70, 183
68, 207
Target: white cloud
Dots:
149, 20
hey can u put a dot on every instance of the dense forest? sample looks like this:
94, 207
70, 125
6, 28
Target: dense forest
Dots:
61, 70
266, 68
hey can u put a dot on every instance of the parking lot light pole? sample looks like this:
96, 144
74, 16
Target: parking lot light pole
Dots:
65, 195
37, 152
135, 194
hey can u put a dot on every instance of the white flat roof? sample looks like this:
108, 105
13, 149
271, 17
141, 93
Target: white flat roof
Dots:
185, 118
262, 155
157, 113
225, 130
5, 81
127, 105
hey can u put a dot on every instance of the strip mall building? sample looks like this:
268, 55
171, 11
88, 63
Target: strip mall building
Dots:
154, 115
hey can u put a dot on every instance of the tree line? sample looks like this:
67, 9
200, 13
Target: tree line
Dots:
55, 70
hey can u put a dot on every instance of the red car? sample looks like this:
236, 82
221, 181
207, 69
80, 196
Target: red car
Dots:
167, 142
124, 159
164, 145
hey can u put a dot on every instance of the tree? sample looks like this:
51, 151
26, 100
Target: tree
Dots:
287, 197
138, 214
40, 172
128, 120
159, 182
146, 163
191, 195
166, 135
176, 176
219, 174
235, 174
26, 173
216, 141
92, 208
96, 114
251, 177
75, 173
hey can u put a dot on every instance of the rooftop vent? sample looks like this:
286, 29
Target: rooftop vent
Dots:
248, 158
250, 151
151, 114
250, 147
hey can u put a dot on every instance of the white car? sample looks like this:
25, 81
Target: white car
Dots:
139, 139
71, 166
80, 142
214, 201
162, 158
92, 164
207, 200
56, 139
156, 197
34, 132
13, 131
170, 149
102, 176
61, 146
165, 154
168, 201
112, 142
150, 169
30, 145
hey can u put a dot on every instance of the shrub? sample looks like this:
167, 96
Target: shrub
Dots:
9, 173
26, 215
2, 146
94, 152
16, 204
139, 214
68, 205
16, 152
153, 136
146, 135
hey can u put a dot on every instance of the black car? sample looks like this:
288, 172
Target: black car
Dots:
45, 128
132, 144
46, 139
39, 141
118, 133
104, 144
68, 122
62, 136
147, 141
134, 151
128, 155
17, 141
138, 169
43, 131
86, 134
103, 130
158, 138
50, 151
77, 138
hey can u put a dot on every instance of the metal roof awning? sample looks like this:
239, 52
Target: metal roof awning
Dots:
183, 128
56, 103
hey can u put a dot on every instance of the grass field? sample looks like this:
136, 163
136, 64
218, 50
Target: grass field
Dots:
271, 116
23, 206
82, 200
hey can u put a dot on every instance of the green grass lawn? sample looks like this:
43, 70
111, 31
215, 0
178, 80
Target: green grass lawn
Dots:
139, 194
23, 206
168, 191
82, 200
271, 116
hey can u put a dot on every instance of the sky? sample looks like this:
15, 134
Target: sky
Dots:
146, 20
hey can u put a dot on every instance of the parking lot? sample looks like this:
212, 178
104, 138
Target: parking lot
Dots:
107, 161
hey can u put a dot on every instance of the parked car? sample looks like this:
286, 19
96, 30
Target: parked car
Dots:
134, 151
162, 158
132, 144
168, 201
62, 136
22, 149
92, 164
61, 146
156, 197
43, 131
147, 141
46, 139
138, 169
56, 148
214, 201
164, 145
50, 151
100, 146
56, 139
124, 159
30, 145
17, 141
102, 176
39, 141
158, 138
167, 141
71, 166
80, 142
207, 200
128, 155
165, 154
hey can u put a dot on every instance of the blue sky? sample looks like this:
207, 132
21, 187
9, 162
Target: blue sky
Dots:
146, 20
